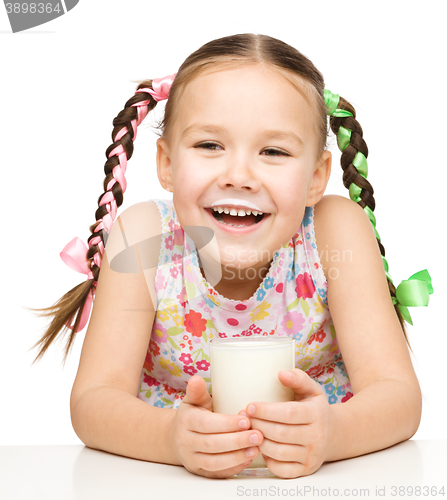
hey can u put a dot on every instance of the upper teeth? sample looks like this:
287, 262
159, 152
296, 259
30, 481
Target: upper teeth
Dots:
233, 211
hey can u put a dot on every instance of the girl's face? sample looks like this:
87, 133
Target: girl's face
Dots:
244, 134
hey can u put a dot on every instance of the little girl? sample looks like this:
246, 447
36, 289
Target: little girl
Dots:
247, 246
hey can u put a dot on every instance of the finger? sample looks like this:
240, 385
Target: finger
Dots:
303, 386
232, 441
197, 393
243, 413
205, 422
224, 461
286, 470
289, 412
221, 474
284, 452
281, 433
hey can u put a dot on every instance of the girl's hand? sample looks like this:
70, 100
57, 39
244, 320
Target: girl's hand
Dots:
296, 433
211, 444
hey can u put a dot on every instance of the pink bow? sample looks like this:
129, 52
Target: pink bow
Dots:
74, 255
160, 87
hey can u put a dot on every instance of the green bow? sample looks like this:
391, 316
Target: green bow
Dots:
413, 292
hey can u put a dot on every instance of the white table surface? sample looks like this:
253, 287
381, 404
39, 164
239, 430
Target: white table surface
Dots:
78, 472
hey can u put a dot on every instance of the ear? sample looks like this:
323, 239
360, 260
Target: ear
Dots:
164, 171
320, 179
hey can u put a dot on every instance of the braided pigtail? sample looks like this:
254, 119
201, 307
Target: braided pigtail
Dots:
355, 171
416, 290
78, 301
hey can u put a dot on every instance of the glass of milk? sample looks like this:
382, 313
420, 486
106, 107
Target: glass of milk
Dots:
245, 370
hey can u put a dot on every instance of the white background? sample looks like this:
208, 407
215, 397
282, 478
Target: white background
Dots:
63, 83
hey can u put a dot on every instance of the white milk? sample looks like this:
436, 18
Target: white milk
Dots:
245, 370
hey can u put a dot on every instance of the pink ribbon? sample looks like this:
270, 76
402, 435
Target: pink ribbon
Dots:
74, 255
160, 87
75, 252
160, 91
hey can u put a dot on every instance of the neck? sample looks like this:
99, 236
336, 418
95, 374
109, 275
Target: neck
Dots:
232, 282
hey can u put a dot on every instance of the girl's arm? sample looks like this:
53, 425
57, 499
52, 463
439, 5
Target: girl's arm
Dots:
386, 406
105, 411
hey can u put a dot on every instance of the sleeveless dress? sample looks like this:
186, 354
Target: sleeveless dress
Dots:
290, 301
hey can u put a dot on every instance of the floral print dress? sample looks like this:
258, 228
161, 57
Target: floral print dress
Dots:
290, 301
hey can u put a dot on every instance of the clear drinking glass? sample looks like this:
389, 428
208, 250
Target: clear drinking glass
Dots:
245, 370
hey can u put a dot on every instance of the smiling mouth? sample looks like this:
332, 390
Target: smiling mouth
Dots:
236, 220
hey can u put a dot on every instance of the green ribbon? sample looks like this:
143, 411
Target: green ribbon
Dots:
331, 101
361, 164
355, 191
343, 138
416, 290
413, 292
341, 113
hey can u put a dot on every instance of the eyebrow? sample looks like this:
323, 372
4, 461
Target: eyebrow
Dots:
283, 135
198, 127
216, 129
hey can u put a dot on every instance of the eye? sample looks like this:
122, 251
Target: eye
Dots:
211, 146
274, 152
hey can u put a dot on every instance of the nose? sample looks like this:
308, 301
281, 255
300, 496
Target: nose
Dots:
238, 175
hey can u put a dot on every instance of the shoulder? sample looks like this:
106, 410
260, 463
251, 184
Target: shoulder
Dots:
333, 206
138, 223
142, 218
341, 227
